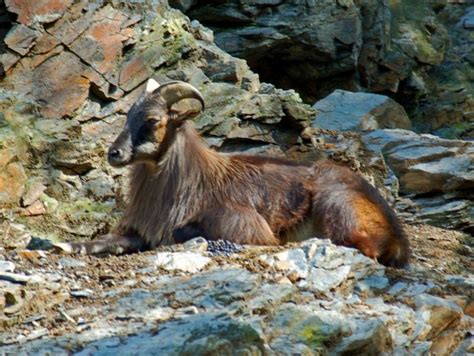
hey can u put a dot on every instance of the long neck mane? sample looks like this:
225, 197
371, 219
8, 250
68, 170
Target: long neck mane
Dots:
163, 195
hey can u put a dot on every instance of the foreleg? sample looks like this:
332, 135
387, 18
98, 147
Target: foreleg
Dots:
108, 244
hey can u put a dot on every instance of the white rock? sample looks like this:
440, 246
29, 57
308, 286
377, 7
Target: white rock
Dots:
7, 266
197, 244
293, 260
181, 261
323, 280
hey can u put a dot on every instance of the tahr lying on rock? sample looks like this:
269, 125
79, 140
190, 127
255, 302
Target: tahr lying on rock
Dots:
180, 189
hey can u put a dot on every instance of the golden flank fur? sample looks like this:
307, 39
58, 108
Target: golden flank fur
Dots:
184, 189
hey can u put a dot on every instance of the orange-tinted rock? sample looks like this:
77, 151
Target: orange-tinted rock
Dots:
8, 60
133, 73
20, 39
37, 208
469, 309
60, 85
445, 343
72, 24
37, 10
45, 43
12, 183
101, 44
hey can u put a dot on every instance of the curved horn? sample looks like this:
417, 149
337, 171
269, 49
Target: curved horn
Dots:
172, 92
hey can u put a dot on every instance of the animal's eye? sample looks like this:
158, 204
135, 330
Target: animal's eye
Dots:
151, 121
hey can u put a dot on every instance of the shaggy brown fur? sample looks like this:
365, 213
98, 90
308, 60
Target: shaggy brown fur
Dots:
184, 189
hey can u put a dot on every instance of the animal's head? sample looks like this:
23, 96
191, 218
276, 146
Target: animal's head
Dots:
150, 120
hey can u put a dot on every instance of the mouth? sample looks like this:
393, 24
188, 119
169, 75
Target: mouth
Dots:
118, 164
118, 158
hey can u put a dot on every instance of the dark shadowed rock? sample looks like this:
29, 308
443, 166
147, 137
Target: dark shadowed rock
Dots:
413, 50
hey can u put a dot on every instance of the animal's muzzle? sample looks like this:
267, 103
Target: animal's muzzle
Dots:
120, 153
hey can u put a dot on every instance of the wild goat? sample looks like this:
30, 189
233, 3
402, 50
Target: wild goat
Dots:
181, 189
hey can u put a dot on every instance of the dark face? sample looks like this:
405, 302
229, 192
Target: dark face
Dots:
143, 132
148, 121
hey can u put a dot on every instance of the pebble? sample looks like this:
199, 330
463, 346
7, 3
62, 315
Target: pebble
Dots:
71, 263
82, 293
19, 278
191, 310
198, 244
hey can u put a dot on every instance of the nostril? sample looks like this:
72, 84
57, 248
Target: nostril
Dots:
115, 153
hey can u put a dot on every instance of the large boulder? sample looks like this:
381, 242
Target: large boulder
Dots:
347, 111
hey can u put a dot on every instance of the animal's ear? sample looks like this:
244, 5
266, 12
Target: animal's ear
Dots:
174, 95
182, 112
151, 86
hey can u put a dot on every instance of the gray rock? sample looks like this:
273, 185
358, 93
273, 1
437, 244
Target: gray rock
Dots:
373, 283
7, 266
323, 280
270, 296
467, 21
397, 288
20, 278
69, 262
347, 111
449, 214
414, 289
195, 335
424, 163
311, 41
371, 338
307, 328
293, 262
466, 347
427, 164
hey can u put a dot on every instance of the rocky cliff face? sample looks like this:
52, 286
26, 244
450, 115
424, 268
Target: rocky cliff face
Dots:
415, 51
70, 71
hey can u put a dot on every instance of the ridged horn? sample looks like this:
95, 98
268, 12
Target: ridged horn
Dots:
175, 91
